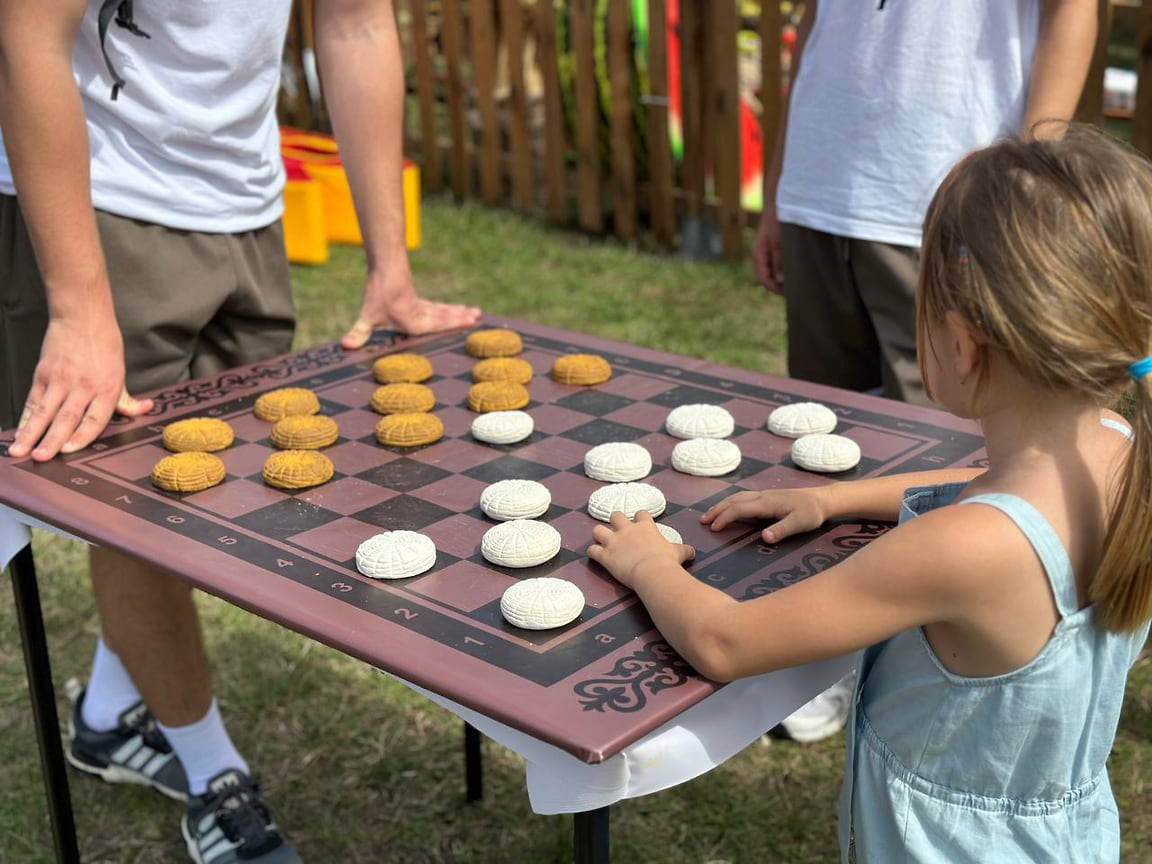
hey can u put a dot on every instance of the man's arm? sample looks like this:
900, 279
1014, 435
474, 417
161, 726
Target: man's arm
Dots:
80, 375
1063, 54
362, 70
766, 250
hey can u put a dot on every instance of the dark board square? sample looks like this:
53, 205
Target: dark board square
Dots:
509, 468
403, 475
286, 518
686, 395
403, 513
560, 559
594, 402
603, 431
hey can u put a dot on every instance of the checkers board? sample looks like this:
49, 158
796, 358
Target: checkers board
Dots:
592, 687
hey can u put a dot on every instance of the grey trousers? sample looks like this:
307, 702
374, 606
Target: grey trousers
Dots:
851, 308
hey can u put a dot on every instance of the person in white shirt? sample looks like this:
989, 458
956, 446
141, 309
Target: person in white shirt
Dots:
140, 246
886, 96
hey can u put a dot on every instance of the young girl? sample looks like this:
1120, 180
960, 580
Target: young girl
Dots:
1002, 619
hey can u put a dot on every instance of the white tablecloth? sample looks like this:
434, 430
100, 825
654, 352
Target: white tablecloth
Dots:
704, 736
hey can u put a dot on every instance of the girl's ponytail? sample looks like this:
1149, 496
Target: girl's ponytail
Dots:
1122, 586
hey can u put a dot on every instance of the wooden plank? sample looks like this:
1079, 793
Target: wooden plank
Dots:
296, 111
1091, 107
511, 15
771, 79
555, 147
622, 119
590, 209
659, 147
461, 161
726, 125
1142, 116
692, 110
431, 171
320, 119
483, 41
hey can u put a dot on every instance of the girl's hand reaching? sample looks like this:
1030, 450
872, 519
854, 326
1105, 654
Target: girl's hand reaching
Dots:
622, 545
794, 511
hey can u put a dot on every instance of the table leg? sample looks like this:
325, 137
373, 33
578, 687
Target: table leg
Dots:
39, 671
590, 836
473, 766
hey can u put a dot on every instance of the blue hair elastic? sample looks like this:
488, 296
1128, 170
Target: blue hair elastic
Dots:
1140, 368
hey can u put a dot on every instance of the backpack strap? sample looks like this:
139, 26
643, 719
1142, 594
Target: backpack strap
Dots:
122, 9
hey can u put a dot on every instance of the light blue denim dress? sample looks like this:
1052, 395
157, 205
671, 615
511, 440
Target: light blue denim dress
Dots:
943, 768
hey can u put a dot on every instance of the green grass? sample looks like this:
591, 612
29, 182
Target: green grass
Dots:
360, 769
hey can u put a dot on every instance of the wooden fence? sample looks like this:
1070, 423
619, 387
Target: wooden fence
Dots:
548, 106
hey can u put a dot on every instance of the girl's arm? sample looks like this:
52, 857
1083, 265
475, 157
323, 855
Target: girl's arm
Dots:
936, 567
794, 511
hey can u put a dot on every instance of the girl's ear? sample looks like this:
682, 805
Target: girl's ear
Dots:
965, 344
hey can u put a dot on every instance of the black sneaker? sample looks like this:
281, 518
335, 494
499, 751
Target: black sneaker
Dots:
230, 823
135, 752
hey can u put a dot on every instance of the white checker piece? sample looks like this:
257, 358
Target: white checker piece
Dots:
617, 461
670, 533
515, 499
800, 419
520, 543
628, 498
502, 427
699, 421
542, 603
826, 453
395, 555
706, 457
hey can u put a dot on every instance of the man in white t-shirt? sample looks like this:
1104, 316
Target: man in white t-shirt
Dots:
140, 246
886, 96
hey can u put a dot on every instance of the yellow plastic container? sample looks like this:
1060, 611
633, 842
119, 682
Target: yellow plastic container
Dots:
411, 205
326, 169
305, 237
315, 156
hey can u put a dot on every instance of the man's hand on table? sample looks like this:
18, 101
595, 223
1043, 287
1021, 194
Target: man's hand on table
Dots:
77, 385
390, 300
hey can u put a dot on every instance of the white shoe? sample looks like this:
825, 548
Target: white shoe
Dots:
825, 715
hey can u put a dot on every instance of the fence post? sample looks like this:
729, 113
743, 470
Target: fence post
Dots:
659, 148
511, 16
450, 30
431, 172
555, 157
726, 114
483, 40
1142, 116
590, 206
622, 118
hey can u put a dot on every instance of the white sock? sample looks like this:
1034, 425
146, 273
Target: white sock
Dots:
204, 749
110, 691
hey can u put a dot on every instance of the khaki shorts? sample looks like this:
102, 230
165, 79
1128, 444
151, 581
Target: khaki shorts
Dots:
851, 307
189, 304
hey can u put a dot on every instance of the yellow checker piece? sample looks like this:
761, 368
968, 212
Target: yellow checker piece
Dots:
200, 434
286, 402
401, 368
188, 472
496, 396
297, 469
409, 430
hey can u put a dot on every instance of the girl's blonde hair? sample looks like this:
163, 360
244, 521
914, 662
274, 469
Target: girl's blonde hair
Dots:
1045, 248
